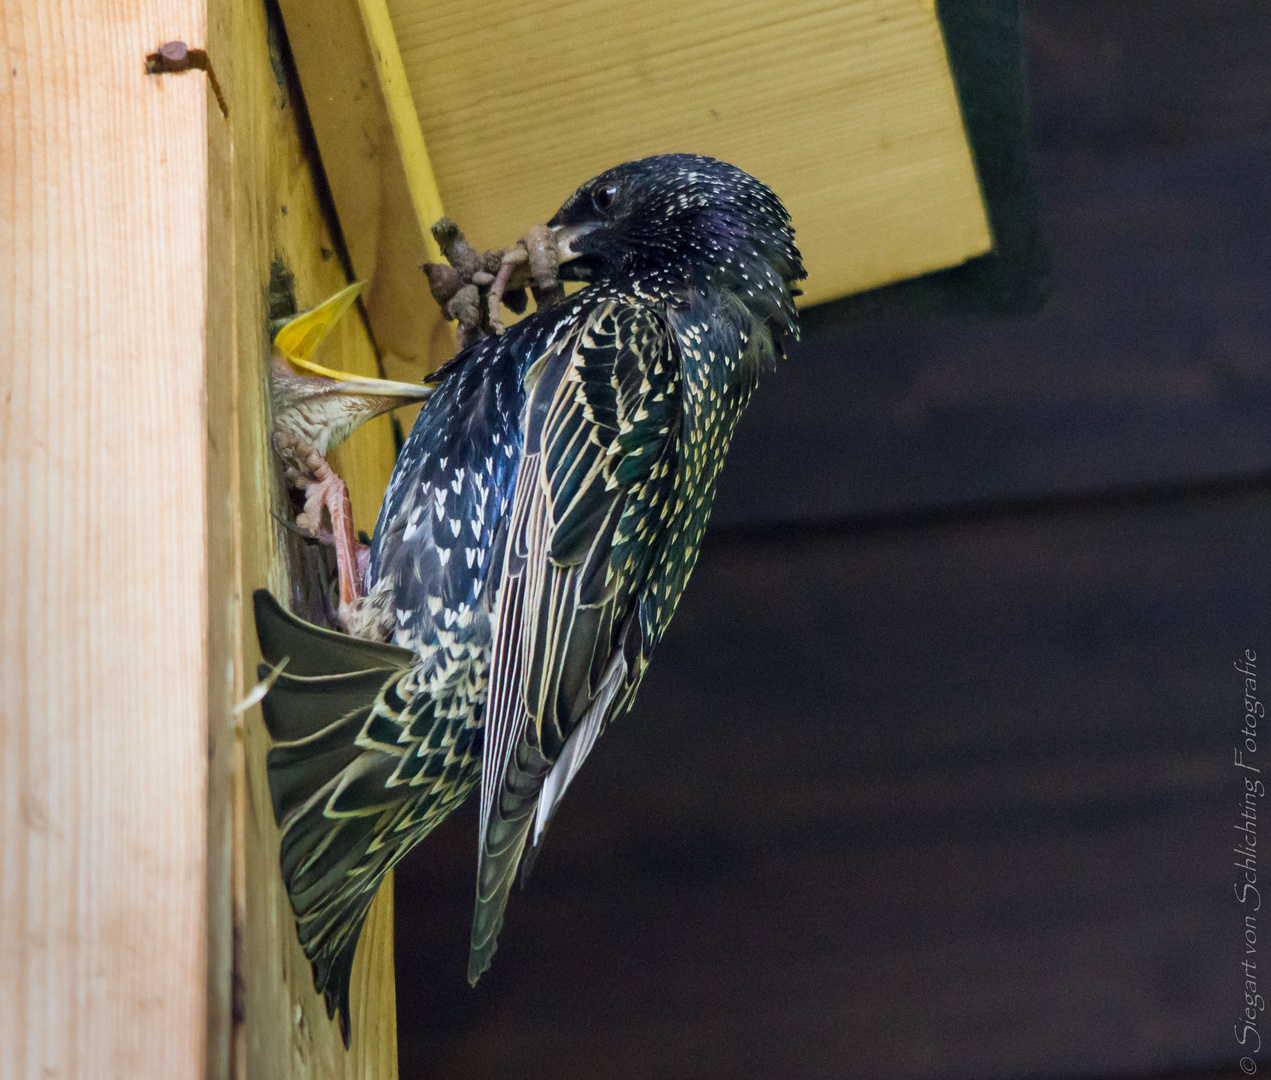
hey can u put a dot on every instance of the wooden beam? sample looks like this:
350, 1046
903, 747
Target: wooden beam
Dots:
103, 654
377, 169
267, 213
409, 139
144, 930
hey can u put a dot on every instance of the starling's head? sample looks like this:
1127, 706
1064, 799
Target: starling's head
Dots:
681, 220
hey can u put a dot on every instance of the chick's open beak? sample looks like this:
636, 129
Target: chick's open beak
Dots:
299, 339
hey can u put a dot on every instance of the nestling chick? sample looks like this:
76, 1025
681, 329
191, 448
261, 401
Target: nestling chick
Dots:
317, 411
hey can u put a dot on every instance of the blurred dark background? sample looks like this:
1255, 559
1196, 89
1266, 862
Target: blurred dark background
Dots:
932, 776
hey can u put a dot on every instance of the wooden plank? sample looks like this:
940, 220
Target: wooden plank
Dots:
103, 656
409, 139
925, 803
1107, 78
268, 212
847, 110
224, 564
1150, 362
367, 175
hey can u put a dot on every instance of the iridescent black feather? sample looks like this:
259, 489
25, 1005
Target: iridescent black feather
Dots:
626, 427
539, 529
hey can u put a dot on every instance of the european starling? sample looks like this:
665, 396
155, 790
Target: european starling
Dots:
537, 534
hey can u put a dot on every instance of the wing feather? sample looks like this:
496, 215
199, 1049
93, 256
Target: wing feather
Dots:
600, 445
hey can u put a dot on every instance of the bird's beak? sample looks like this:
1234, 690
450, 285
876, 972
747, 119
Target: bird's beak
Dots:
567, 236
299, 339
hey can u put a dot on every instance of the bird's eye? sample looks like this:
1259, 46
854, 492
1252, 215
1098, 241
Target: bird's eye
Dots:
602, 198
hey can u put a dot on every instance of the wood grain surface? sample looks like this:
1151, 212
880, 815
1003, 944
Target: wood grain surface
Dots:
366, 173
268, 213
847, 110
103, 655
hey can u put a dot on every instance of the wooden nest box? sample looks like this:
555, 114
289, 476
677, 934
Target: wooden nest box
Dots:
156, 215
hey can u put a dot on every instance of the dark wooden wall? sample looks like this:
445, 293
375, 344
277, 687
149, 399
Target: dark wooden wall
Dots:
932, 776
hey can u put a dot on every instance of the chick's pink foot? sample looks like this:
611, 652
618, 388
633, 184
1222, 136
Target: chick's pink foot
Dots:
311, 474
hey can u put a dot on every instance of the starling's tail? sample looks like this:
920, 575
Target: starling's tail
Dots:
329, 783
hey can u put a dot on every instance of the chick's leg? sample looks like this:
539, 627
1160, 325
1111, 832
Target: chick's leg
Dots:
322, 489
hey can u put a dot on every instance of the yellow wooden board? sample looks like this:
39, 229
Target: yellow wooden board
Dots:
847, 109
384, 214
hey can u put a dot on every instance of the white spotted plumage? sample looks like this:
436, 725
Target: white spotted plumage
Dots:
535, 542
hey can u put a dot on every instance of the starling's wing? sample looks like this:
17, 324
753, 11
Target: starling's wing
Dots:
366, 760
593, 492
